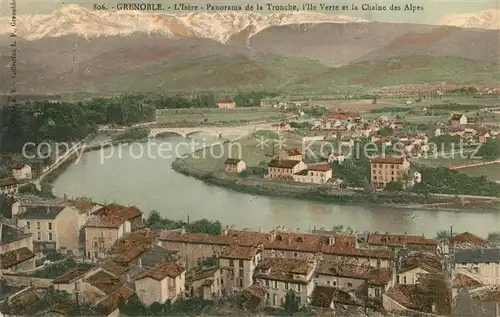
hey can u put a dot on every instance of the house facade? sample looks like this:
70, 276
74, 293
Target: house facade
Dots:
16, 249
483, 263
232, 165
278, 276
163, 282
292, 154
108, 224
21, 172
385, 169
54, 227
284, 169
226, 104
238, 264
314, 174
458, 119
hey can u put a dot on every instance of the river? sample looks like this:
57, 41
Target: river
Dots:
149, 183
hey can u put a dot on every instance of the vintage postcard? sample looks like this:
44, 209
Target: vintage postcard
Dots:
232, 158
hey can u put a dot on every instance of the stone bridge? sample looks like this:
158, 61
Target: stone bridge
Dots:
235, 132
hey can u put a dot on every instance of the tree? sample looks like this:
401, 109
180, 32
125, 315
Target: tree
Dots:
490, 150
394, 186
385, 132
443, 234
156, 308
291, 304
494, 237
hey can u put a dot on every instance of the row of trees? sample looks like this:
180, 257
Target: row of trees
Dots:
199, 226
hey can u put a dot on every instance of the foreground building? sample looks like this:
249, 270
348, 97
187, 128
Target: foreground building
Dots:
165, 281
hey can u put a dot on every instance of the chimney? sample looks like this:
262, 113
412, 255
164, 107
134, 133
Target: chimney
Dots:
139, 262
183, 231
127, 277
225, 231
260, 229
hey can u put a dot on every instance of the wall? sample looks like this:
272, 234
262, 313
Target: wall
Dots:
278, 290
25, 242
411, 276
191, 252
149, 290
43, 232
67, 229
93, 241
20, 280
342, 282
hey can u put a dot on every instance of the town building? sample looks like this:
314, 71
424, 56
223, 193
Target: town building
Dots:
278, 276
458, 119
108, 224
21, 172
395, 242
226, 104
54, 227
205, 284
483, 263
385, 169
163, 282
284, 169
238, 264
232, 165
314, 174
292, 154
16, 249
8, 186
283, 126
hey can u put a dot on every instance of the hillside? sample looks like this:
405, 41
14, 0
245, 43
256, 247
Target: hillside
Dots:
75, 49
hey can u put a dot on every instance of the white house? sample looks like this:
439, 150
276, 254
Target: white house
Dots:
232, 165
165, 281
458, 119
483, 263
279, 275
21, 172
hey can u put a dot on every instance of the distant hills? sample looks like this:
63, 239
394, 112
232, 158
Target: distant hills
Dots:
75, 49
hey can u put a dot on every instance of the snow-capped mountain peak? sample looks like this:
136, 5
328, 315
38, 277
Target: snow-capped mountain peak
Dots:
486, 19
220, 26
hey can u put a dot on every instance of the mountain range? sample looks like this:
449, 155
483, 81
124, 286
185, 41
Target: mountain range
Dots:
75, 49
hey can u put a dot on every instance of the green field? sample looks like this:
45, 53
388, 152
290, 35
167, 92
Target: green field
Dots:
491, 172
215, 115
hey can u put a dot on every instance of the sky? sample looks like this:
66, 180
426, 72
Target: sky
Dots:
433, 10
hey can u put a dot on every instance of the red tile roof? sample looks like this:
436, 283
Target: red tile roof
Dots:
467, 237
19, 166
70, 276
397, 240
105, 282
292, 152
225, 101
232, 161
281, 269
163, 270
462, 280
112, 216
131, 245
288, 164
201, 275
456, 116
113, 301
319, 167
238, 252
14, 257
388, 160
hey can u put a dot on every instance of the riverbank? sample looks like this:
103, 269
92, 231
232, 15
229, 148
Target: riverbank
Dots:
318, 193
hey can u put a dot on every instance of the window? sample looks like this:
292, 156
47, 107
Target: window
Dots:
38, 225
328, 282
299, 300
241, 282
275, 284
28, 224
275, 299
397, 279
286, 285
39, 236
295, 254
377, 292
267, 283
241, 263
349, 284
375, 177
404, 279
334, 283
231, 263
299, 288
50, 225
50, 236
